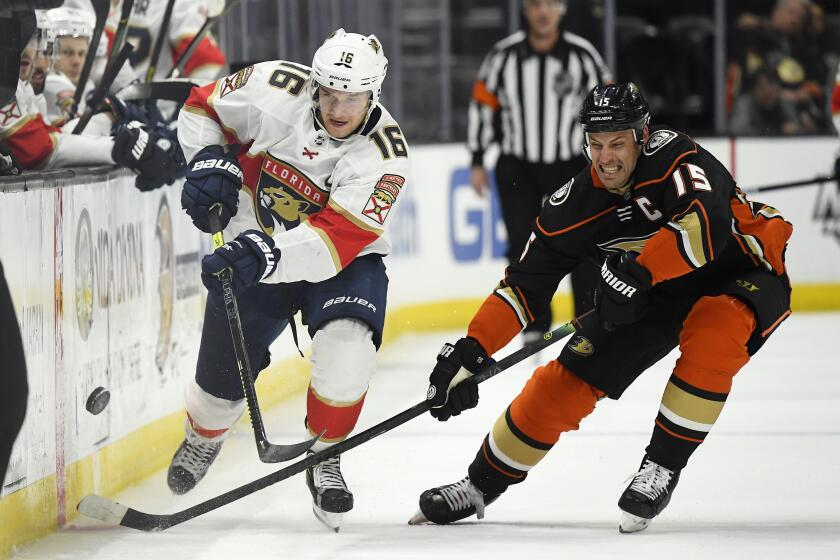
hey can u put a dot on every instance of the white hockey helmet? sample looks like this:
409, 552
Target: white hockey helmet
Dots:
69, 22
349, 62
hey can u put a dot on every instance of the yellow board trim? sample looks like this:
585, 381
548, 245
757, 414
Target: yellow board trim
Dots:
29, 513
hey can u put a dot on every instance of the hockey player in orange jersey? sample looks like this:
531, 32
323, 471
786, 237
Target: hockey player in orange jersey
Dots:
686, 261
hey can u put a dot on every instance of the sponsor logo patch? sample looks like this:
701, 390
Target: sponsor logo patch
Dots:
561, 194
384, 195
657, 140
582, 346
236, 81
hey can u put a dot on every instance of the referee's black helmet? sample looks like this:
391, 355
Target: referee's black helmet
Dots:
614, 107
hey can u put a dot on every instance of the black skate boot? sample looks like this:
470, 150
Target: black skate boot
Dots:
451, 502
191, 461
330, 497
646, 497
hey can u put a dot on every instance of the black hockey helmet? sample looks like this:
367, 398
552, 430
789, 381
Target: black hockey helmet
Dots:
615, 107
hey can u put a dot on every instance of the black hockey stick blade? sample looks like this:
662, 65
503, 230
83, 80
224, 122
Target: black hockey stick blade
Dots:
271, 453
109, 511
100, 9
170, 90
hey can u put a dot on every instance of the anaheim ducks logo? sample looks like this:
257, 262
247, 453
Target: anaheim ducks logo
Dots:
285, 195
582, 346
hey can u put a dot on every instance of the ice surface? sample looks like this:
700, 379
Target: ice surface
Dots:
764, 485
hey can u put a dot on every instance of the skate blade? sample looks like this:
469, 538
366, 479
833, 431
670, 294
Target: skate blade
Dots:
630, 523
418, 518
328, 519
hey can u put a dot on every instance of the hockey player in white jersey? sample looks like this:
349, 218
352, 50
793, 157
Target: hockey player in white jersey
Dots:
68, 32
187, 18
306, 205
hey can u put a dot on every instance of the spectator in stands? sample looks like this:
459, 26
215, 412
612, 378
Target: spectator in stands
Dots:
788, 41
762, 110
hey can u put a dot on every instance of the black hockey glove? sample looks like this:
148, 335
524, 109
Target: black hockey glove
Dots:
251, 257
213, 177
620, 296
156, 159
451, 387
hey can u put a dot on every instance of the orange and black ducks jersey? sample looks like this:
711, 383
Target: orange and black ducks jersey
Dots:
684, 215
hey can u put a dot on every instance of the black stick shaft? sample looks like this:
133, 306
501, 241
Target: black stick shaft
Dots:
151, 522
100, 7
178, 65
122, 26
163, 32
98, 94
791, 184
243, 363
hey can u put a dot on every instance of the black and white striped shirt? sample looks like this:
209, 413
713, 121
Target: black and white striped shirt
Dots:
528, 101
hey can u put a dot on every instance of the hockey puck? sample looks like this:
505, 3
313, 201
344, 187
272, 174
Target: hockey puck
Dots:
98, 400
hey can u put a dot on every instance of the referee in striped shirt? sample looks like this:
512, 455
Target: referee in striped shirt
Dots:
526, 98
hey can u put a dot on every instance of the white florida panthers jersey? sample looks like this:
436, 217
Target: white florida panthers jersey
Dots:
323, 201
144, 27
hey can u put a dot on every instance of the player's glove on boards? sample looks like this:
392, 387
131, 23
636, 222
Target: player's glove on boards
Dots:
620, 296
451, 387
155, 159
213, 177
251, 257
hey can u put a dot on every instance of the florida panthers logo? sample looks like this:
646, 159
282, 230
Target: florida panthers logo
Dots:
285, 195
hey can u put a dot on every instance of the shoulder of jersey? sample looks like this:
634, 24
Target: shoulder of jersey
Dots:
662, 149
574, 202
510, 41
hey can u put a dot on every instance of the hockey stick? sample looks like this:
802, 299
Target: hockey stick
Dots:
109, 511
98, 94
215, 10
268, 452
100, 8
122, 27
170, 90
792, 184
161, 38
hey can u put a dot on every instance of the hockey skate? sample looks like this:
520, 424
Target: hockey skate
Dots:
191, 461
646, 497
330, 497
451, 502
